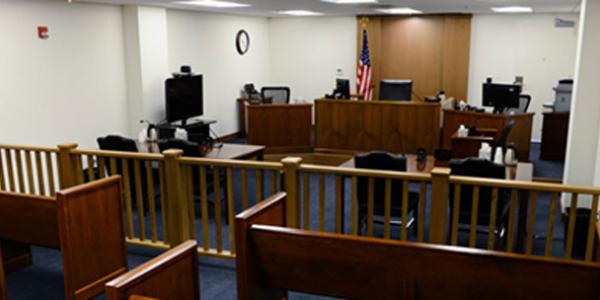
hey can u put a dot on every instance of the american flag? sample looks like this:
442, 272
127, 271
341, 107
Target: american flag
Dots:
363, 78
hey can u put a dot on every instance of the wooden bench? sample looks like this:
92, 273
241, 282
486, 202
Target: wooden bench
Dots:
85, 222
172, 275
272, 259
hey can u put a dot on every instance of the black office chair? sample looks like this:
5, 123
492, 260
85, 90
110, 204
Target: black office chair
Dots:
524, 102
384, 161
278, 95
119, 143
505, 133
192, 149
483, 168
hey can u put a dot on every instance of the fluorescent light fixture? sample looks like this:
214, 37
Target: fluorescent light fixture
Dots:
513, 9
213, 3
351, 1
400, 11
299, 13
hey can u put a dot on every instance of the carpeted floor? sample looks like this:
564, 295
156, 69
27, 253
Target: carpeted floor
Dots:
44, 279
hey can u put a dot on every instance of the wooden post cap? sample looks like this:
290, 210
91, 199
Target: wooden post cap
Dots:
173, 152
68, 146
291, 161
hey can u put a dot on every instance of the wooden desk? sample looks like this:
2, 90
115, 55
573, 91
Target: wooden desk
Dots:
228, 151
468, 146
394, 126
241, 104
281, 128
520, 134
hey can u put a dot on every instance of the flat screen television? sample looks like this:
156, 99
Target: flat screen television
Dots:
184, 98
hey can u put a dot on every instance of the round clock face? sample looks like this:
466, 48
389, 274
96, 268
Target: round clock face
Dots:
242, 42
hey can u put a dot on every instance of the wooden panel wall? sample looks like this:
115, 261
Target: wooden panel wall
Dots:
432, 50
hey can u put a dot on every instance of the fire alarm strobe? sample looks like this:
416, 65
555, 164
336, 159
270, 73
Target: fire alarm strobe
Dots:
43, 32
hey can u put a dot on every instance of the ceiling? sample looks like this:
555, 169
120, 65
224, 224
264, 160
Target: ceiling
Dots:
267, 7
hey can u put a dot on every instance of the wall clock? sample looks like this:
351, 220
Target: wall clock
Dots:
242, 42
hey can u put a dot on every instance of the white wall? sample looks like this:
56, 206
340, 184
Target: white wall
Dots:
146, 48
306, 52
206, 42
68, 88
582, 164
504, 46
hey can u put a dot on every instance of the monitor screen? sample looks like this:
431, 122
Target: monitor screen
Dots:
184, 97
400, 90
501, 96
342, 86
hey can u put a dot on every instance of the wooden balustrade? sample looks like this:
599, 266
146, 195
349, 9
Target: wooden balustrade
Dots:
368, 180
168, 198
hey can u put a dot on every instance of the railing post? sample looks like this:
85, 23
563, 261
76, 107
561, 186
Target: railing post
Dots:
177, 209
67, 167
290, 173
439, 204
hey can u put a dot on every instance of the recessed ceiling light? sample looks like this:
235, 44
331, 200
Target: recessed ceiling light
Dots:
213, 3
513, 9
350, 1
400, 11
301, 13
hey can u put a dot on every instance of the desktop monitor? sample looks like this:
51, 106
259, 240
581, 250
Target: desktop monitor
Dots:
184, 97
342, 88
395, 90
501, 96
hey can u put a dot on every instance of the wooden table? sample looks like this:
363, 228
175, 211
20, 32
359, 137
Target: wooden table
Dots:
227, 151
412, 166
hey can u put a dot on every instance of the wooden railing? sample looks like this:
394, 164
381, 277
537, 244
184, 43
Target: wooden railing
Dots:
169, 199
528, 195
31, 170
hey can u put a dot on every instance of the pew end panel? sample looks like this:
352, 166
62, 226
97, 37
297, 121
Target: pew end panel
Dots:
172, 275
270, 211
92, 240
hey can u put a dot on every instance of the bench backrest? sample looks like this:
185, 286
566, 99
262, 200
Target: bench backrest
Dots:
279, 259
172, 275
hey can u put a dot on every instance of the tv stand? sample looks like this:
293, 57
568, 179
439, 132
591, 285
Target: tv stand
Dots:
198, 131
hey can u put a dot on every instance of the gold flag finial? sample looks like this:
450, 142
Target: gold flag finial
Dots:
364, 21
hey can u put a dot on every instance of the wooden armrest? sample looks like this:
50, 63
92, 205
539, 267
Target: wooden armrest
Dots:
172, 275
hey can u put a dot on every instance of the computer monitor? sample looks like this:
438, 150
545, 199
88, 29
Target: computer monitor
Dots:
342, 88
184, 97
395, 90
501, 96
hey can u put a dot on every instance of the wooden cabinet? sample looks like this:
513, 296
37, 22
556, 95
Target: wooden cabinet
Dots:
394, 126
520, 134
282, 128
555, 131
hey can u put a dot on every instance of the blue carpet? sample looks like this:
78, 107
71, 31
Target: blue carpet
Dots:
44, 279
